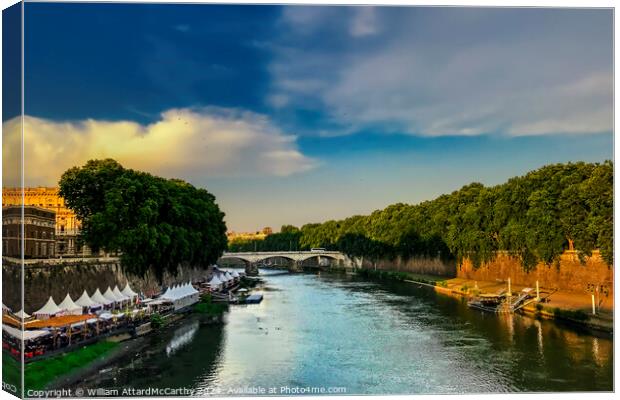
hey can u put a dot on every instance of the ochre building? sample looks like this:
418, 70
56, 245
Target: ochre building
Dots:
39, 232
67, 226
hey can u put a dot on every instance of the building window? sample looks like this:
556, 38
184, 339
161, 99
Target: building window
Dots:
44, 249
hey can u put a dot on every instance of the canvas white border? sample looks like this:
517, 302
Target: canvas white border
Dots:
479, 3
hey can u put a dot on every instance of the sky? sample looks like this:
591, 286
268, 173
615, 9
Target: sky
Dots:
298, 114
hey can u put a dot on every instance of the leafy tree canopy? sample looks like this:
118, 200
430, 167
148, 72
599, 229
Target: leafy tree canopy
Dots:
534, 217
153, 222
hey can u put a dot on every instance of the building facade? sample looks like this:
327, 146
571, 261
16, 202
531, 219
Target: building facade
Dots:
260, 235
39, 232
67, 226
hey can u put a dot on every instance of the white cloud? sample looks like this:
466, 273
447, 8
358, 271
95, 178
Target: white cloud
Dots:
185, 143
434, 72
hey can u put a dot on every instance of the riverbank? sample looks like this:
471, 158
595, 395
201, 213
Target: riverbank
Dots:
67, 368
335, 330
572, 307
39, 374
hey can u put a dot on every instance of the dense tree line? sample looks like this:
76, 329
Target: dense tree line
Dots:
534, 217
152, 221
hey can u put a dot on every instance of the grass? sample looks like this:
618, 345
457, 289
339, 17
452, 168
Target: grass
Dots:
208, 307
38, 374
11, 371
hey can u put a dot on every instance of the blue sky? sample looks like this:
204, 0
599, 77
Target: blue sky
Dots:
302, 114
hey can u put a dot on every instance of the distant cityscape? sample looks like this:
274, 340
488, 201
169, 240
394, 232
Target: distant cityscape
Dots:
232, 235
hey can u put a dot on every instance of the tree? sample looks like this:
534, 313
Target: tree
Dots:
153, 222
533, 217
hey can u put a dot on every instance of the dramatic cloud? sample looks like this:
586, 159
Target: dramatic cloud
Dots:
185, 143
436, 72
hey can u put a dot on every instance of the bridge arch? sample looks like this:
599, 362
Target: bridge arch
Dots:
296, 258
276, 256
310, 256
231, 257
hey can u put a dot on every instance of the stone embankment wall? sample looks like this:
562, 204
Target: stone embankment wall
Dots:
569, 275
72, 276
417, 265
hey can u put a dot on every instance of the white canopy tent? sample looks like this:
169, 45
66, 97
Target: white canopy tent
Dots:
235, 274
128, 292
22, 315
86, 301
109, 294
97, 297
215, 283
228, 278
181, 295
69, 307
119, 295
222, 278
26, 335
48, 310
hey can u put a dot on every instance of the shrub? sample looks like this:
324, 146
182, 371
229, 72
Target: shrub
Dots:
157, 321
208, 307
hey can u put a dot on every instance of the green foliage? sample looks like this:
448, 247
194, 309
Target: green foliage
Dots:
11, 373
286, 240
383, 275
533, 217
157, 321
208, 307
152, 221
39, 374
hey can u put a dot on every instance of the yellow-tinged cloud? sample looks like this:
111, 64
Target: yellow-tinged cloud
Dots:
184, 143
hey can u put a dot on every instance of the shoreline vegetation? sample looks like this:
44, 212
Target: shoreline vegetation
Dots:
39, 374
535, 217
68, 367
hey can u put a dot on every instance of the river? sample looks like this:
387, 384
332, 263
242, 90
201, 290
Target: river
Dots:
347, 335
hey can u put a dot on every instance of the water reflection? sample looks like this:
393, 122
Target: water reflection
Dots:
182, 336
372, 339
539, 338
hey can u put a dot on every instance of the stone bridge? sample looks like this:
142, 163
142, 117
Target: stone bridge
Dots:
324, 258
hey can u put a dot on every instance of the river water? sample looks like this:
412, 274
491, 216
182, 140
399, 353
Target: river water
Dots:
342, 334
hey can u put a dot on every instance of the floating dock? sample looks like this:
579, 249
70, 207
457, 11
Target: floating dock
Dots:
254, 299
